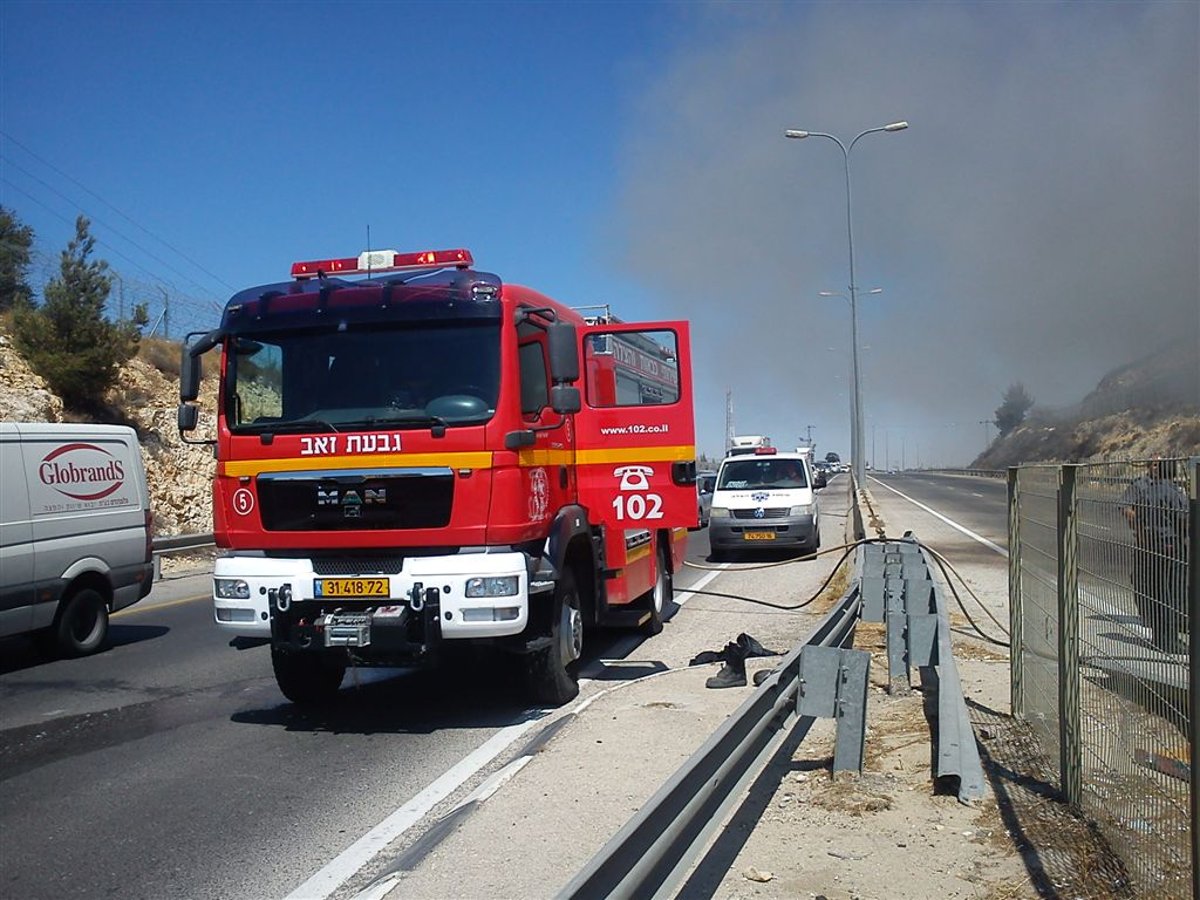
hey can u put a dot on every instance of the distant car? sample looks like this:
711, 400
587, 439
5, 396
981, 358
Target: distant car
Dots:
706, 483
820, 474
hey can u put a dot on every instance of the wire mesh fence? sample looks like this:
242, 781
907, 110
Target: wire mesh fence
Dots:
1103, 597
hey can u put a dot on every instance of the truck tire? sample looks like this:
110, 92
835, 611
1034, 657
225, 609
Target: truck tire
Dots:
305, 678
82, 624
659, 597
551, 670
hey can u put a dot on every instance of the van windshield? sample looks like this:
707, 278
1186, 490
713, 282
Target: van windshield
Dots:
763, 473
366, 376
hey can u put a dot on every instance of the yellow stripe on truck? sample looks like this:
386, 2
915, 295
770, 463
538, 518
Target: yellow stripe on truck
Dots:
635, 455
246, 467
468, 460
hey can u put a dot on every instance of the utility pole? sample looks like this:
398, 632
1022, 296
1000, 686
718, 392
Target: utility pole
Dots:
166, 316
729, 432
987, 435
809, 439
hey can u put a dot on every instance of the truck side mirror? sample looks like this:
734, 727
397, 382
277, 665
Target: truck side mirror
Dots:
563, 343
188, 416
565, 400
189, 374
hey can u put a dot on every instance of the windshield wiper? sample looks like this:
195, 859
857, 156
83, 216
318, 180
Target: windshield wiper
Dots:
290, 425
420, 420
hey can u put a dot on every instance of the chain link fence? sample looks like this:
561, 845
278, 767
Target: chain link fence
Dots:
1101, 595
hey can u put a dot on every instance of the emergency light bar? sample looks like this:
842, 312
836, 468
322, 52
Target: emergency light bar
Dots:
764, 451
371, 261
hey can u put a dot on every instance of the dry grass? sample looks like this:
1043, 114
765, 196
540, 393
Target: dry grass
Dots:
162, 354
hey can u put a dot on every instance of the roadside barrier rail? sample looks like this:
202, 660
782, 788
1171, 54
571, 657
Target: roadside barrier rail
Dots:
651, 855
177, 543
899, 589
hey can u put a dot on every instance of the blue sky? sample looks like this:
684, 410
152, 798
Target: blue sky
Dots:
1038, 222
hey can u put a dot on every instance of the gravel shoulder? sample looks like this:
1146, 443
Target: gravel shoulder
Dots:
800, 832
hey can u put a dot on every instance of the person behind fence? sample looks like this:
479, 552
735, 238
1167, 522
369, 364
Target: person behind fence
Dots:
1156, 509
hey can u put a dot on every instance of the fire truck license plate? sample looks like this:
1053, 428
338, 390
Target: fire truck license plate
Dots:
351, 587
758, 535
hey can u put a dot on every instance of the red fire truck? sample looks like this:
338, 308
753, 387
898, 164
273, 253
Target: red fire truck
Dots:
423, 454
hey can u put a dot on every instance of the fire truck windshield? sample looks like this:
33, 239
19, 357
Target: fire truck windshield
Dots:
376, 375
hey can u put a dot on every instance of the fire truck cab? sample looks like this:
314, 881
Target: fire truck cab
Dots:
425, 454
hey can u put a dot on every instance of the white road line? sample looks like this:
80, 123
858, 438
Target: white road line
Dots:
358, 854
968, 532
353, 858
688, 593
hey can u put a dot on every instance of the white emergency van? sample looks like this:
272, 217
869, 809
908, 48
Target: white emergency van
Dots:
75, 531
764, 500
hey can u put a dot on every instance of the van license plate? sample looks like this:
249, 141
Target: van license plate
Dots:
351, 587
758, 535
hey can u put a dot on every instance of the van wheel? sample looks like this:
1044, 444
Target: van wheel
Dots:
551, 670
305, 678
82, 625
659, 596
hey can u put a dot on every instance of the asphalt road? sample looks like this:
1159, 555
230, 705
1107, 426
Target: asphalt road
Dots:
170, 765
978, 504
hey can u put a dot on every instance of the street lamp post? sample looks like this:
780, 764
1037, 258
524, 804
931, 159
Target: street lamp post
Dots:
856, 424
854, 396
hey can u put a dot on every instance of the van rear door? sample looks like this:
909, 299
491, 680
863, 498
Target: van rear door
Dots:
16, 537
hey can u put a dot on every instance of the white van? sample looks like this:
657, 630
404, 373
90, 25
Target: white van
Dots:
75, 531
764, 500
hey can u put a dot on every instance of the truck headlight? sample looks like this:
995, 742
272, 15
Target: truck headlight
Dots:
800, 511
719, 512
231, 588
493, 586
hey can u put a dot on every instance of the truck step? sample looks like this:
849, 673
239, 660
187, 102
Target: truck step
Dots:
625, 618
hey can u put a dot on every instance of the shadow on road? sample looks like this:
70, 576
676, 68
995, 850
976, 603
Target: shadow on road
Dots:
27, 651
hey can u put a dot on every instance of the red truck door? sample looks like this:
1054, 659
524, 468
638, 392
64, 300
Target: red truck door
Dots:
636, 441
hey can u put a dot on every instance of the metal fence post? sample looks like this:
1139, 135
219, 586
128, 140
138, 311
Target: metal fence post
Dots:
1070, 746
1193, 601
1016, 611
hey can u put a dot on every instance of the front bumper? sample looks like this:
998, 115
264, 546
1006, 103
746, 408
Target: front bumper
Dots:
459, 617
789, 532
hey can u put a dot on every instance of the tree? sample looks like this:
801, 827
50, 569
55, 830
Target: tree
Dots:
1012, 409
16, 245
67, 340
832, 457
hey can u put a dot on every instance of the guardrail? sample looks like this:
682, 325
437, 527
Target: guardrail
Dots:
177, 543
655, 850
899, 589
652, 853
976, 473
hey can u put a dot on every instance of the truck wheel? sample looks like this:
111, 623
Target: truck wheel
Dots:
660, 595
82, 625
306, 679
551, 670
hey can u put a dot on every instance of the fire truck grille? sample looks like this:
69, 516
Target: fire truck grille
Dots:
359, 565
351, 502
772, 513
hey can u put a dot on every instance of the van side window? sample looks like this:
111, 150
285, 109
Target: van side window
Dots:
535, 393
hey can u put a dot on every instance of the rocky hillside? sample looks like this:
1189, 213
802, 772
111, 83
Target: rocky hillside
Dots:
146, 396
1150, 407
